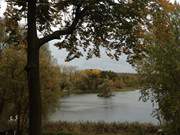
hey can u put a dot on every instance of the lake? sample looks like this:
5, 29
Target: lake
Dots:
122, 107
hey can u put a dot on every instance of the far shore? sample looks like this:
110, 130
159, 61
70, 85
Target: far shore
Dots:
90, 92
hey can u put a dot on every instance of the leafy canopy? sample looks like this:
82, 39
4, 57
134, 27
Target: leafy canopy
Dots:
87, 25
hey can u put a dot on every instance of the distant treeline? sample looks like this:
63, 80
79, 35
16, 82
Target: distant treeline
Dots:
94, 80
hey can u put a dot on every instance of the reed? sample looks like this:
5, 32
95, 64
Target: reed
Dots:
99, 128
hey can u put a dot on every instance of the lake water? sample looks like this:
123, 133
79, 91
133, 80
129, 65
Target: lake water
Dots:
124, 106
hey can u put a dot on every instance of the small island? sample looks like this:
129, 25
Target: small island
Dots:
105, 89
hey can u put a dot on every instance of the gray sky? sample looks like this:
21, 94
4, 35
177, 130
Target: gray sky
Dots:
103, 63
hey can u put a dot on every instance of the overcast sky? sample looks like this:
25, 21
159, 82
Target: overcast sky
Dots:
103, 63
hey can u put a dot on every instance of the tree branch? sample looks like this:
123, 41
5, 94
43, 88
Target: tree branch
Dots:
79, 14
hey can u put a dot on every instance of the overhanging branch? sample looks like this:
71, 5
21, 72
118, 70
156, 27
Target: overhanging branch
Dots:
54, 35
79, 14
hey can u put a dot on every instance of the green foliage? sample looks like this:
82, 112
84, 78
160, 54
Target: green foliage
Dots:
51, 91
88, 24
13, 85
10, 33
160, 71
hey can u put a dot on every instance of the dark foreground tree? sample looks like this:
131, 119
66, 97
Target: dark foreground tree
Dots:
88, 25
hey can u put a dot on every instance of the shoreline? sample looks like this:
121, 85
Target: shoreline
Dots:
113, 90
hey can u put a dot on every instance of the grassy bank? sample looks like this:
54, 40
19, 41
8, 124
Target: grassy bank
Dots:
125, 89
99, 128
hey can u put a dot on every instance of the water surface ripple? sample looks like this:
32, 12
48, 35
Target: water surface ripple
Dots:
124, 106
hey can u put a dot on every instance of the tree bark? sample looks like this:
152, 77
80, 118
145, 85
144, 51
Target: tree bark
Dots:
2, 101
33, 72
34, 90
18, 128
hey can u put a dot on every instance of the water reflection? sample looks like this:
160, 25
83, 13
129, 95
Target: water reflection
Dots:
124, 106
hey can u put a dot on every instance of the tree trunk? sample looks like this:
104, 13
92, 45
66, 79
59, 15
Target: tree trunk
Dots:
18, 124
34, 91
33, 72
2, 102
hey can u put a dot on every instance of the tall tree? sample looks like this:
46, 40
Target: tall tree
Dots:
159, 70
87, 24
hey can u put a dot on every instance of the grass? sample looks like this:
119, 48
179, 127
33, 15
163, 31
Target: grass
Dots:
99, 128
125, 89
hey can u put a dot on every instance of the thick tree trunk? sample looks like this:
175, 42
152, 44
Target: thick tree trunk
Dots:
34, 91
33, 72
2, 102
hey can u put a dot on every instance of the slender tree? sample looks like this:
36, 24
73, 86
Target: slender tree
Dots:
88, 24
